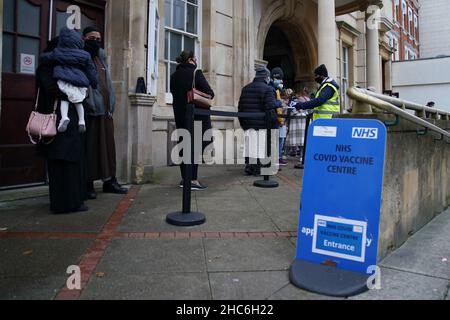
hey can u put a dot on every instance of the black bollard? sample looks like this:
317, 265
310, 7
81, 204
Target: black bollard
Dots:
267, 183
186, 218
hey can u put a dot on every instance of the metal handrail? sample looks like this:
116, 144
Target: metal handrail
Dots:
363, 96
404, 104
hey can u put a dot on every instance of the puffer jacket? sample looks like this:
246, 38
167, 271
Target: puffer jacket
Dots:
257, 97
72, 63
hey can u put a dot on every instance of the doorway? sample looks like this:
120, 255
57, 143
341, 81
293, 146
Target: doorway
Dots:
278, 53
25, 34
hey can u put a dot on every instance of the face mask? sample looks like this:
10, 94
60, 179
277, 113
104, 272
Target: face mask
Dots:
92, 46
319, 80
277, 83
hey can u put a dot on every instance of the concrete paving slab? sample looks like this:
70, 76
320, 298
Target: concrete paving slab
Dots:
39, 257
169, 286
398, 285
290, 292
34, 288
16, 212
248, 254
42, 220
425, 253
247, 285
142, 257
150, 209
237, 221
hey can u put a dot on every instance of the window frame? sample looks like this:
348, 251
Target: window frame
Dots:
15, 34
410, 21
153, 42
184, 33
345, 75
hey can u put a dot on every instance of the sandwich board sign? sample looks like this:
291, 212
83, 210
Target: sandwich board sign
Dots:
340, 210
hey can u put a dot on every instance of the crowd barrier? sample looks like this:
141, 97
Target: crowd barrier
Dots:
186, 217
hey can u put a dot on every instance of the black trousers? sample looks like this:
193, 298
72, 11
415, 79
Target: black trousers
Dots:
67, 185
206, 125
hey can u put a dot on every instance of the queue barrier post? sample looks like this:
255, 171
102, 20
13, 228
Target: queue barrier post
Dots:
267, 183
187, 218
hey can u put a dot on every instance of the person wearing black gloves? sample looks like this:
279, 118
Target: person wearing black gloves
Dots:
326, 102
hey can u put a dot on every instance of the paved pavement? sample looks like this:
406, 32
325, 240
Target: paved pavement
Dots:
126, 250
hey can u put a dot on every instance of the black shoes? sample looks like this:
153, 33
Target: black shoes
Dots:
194, 186
91, 194
253, 170
112, 186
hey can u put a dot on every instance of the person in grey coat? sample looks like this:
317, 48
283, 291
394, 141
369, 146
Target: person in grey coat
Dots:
99, 106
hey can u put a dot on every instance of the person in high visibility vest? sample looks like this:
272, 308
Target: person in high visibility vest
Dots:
326, 102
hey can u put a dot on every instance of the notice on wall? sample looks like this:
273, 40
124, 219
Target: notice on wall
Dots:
27, 63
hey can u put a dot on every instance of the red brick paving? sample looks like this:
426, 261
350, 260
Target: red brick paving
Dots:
92, 257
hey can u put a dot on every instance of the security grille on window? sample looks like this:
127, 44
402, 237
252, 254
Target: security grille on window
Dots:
182, 29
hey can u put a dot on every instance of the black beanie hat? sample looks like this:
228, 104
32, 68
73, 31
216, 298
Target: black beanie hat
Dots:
277, 73
321, 71
89, 30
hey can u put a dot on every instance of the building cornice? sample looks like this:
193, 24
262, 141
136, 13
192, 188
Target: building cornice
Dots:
342, 25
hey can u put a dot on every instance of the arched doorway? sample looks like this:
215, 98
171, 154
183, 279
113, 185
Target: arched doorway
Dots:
278, 53
288, 47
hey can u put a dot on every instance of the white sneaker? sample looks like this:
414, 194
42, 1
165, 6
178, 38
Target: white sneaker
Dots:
63, 125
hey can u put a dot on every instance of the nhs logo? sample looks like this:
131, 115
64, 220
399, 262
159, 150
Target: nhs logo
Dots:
365, 133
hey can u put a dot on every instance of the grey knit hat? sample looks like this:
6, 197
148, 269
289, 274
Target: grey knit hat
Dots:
262, 72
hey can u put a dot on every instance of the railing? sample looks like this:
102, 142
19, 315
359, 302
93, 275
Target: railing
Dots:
364, 99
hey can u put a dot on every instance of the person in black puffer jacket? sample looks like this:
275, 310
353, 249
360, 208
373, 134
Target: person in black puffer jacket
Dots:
257, 97
74, 71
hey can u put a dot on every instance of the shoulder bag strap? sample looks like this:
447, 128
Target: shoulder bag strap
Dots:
193, 80
37, 99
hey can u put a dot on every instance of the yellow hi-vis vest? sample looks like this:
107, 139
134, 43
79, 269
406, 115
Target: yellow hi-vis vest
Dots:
329, 108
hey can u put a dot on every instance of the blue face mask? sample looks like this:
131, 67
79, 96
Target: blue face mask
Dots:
277, 83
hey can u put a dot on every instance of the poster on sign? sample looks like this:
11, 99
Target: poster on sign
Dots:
27, 63
341, 205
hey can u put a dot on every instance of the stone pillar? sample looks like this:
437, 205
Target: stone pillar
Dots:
1, 50
373, 57
327, 35
142, 130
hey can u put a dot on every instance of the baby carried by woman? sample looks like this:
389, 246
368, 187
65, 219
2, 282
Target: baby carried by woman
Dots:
75, 72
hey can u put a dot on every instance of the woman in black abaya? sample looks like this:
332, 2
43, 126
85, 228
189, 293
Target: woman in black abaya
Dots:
65, 155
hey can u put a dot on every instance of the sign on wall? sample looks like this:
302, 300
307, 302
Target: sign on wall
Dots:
27, 63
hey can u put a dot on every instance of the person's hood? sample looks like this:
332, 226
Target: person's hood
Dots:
332, 81
70, 39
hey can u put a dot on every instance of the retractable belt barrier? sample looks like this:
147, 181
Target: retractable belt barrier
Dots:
187, 218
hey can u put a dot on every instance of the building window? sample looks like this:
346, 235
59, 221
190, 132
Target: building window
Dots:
416, 27
182, 32
397, 50
404, 11
410, 22
396, 9
345, 77
21, 38
153, 48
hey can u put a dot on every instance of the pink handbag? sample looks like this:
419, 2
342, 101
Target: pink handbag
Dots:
200, 99
42, 125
